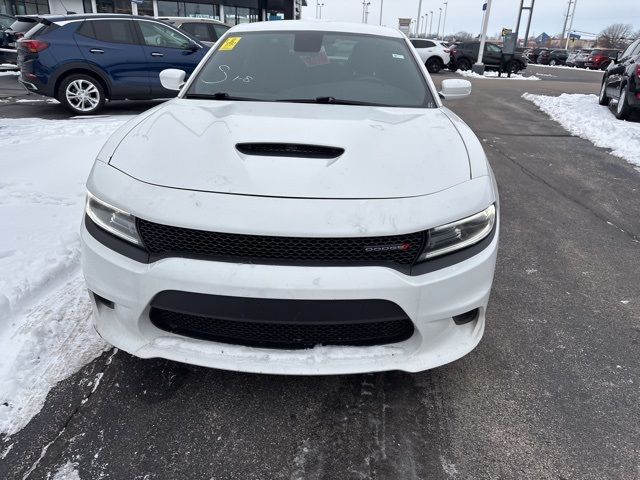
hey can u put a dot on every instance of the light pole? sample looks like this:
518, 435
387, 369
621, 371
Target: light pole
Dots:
365, 8
444, 21
439, 18
381, 5
418, 18
424, 25
320, 5
478, 67
317, 8
573, 14
430, 22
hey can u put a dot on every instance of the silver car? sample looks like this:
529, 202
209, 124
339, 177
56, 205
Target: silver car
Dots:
207, 30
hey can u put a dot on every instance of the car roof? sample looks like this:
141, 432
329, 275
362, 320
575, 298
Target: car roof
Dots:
192, 19
89, 16
321, 26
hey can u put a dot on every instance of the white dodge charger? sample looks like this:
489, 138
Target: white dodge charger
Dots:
306, 205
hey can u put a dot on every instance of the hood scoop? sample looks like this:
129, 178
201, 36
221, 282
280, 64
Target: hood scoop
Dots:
289, 150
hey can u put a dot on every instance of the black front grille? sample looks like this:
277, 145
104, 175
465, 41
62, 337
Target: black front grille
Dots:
289, 150
288, 324
164, 240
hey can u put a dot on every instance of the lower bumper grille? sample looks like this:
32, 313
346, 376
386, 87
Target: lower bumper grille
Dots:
285, 324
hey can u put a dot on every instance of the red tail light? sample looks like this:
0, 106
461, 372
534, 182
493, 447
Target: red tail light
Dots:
446, 50
638, 70
34, 46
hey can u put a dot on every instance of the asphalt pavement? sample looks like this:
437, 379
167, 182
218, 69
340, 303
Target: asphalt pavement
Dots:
551, 392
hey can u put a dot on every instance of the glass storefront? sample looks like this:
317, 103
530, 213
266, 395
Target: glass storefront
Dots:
237, 15
24, 7
124, 6
188, 9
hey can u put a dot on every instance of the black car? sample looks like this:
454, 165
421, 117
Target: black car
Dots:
553, 57
463, 56
16, 30
534, 53
621, 82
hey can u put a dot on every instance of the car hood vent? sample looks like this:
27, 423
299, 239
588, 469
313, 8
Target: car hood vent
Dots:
289, 150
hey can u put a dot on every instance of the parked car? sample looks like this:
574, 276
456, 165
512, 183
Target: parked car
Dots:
533, 54
579, 59
600, 59
466, 54
621, 82
433, 53
14, 32
206, 30
250, 224
553, 57
85, 60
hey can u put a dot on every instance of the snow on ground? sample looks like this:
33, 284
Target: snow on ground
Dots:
8, 73
566, 67
45, 331
67, 472
582, 116
494, 75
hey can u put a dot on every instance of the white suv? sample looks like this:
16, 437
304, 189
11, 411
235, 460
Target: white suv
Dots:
433, 53
289, 220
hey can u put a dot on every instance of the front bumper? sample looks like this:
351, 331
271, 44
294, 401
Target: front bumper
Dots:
430, 301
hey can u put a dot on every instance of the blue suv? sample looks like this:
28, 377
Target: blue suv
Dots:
83, 60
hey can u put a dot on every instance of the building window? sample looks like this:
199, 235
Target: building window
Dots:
237, 15
188, 9
28, 7
87, 6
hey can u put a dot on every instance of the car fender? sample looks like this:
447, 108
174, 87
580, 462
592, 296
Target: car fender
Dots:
79, 65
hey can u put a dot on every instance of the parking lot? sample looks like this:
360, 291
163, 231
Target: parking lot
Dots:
551, 392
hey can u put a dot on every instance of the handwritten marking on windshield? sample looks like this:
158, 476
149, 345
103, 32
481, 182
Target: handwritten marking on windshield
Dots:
247, 79
224, 69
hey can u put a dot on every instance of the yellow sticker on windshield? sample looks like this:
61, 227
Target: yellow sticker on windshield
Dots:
230, 43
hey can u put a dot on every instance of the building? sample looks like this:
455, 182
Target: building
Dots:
231, 12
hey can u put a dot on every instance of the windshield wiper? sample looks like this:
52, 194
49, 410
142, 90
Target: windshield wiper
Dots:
331, 100
222, 96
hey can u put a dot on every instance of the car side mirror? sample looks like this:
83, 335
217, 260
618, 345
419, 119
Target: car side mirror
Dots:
453, 88
193, 46
172, 78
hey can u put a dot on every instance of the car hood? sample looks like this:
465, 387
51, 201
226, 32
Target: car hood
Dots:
388, 152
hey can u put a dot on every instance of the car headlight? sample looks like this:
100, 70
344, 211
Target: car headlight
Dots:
457, 235
112, 219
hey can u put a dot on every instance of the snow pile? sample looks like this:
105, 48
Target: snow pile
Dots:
45, 332
582, 116
67, 472
492, 74
9, 73
566, 67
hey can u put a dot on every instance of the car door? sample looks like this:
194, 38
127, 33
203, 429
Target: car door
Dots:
166, 47
111, 46
616, 71
421, 47
492, 55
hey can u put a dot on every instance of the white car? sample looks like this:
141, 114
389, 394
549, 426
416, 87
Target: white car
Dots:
433, 53
290, 220
206, 30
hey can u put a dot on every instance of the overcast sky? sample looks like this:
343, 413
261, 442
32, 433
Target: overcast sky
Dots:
548, 15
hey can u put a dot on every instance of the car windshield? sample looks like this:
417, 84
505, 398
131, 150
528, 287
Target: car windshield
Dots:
314, 67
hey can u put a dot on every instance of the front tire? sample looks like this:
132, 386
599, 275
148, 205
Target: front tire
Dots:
603, 99
81, 94
553, 63
434, 65
623, 109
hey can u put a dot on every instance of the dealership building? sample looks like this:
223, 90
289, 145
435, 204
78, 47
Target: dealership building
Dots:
232, 12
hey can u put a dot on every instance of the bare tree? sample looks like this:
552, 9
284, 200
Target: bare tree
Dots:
615, 36
462, 36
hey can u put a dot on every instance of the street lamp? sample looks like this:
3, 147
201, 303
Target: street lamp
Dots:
439, 18
418, 18
444, 21
381, 5
320, 5
424, 25
365, 10
430, 22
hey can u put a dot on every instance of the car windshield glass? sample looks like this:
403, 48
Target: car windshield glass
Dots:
320, 67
